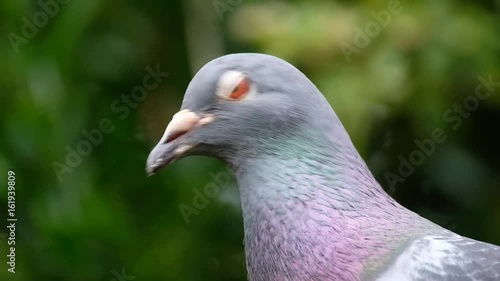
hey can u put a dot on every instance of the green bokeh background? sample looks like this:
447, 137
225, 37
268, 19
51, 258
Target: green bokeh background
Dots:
106, 215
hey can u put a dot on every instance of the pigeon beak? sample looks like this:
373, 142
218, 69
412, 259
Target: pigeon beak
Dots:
171, 146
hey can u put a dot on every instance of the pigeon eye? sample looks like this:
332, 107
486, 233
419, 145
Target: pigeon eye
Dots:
234, 85
240, 90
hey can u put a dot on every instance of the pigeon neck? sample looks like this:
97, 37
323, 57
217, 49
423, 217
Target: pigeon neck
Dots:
312, 164
308, 197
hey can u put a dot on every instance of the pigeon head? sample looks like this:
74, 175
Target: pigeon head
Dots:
237, 106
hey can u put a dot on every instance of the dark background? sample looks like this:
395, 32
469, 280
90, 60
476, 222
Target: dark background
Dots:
100, 215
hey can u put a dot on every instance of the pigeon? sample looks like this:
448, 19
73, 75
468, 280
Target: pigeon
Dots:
312, 209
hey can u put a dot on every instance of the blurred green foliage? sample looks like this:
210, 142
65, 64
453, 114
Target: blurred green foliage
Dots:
105, 215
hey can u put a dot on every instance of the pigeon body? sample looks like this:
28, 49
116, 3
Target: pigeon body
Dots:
312, 210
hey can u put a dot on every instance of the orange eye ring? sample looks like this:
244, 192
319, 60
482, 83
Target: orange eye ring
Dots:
241, 90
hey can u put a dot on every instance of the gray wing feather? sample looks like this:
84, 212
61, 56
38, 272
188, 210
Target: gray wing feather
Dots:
449, 257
